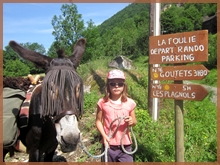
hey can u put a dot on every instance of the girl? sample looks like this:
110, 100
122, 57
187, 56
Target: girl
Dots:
114, 104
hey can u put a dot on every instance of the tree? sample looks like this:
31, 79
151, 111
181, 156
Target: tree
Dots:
15, 68
52, 52
93, 46
9, 54
68, 27
194, 16
212, 58
205, 9
171, 19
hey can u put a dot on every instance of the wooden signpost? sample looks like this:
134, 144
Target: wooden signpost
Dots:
177, 49
179, 91
185, 72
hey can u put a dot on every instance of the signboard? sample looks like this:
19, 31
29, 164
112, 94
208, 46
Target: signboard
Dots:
186, 72
179, 91
179, 47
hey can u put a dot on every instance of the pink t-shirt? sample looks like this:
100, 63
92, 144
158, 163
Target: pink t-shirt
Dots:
112, 111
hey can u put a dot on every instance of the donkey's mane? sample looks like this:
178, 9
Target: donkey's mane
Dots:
59, 85
61, 53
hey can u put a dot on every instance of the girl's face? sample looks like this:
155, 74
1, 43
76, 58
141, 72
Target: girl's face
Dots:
116, 86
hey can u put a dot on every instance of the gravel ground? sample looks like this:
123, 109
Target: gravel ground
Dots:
76, 156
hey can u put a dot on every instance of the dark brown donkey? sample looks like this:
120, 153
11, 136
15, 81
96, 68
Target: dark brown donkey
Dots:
55, 106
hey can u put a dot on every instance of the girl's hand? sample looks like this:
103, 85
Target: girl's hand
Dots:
129, 120
106, 139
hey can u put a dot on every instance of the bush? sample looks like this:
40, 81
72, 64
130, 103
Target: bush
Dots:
15, 69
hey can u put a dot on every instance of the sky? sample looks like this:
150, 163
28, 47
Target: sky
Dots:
31, 22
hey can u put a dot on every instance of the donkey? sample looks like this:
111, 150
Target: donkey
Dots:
56, 105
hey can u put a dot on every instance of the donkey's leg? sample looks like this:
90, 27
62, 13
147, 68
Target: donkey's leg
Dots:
33, 142
34, 155
49, 156
5, 151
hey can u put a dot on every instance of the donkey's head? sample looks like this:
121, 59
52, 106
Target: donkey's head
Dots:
62, 91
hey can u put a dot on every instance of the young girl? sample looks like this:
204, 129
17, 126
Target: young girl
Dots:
114, 104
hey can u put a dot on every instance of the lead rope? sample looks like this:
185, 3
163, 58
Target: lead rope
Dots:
110, 136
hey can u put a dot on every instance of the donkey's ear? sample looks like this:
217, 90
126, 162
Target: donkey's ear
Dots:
78, 52
38, 59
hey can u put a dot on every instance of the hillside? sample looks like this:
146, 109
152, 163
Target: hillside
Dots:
133, 10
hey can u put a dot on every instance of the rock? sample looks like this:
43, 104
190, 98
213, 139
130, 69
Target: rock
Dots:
121, 62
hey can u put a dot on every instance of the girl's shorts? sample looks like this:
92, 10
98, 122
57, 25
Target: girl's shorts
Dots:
116, 154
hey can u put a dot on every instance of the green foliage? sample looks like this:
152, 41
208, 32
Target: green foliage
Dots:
155, 139
186, 17
193, 14
170, 21
9, 54
178, 19
138, 88
132, 10
52, 52
90, 99
126, 33
211, 78
206, 9
15, 68
93, 48
200, 131
68, 27
212, 57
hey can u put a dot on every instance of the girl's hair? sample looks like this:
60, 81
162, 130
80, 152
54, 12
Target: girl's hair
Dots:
108, 94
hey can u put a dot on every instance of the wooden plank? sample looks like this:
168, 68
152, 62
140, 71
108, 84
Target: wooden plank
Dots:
185, 72
179, 47
179, 91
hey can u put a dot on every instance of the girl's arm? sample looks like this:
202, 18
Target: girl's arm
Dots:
131, 120
99, 125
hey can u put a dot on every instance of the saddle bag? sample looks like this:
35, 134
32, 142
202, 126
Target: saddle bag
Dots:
12, 100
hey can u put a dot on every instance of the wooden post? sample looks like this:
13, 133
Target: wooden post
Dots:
179, 129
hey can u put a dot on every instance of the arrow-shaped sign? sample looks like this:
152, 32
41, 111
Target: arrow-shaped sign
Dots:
179, 91
186, 72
